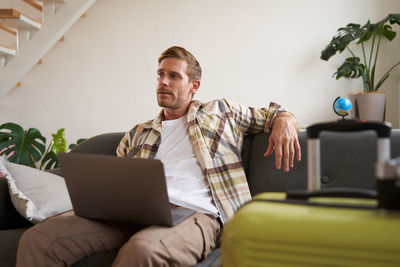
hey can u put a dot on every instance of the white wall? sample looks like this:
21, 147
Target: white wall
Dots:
102, 78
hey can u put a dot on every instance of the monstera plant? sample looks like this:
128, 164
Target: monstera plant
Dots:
57, 144
354, 67
364, 66
22, 146
28, 147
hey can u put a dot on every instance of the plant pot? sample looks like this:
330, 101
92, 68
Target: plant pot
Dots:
368, 106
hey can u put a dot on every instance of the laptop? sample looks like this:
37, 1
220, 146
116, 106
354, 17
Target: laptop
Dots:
119, 189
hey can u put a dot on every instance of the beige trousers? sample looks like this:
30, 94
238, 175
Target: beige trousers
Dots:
64, 239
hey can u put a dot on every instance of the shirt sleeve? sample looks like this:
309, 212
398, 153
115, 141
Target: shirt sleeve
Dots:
252, 120
123, 145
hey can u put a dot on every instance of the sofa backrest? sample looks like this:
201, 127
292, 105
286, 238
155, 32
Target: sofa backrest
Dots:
105, 144
347, 160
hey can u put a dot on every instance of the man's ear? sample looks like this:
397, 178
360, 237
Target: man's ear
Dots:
195, 86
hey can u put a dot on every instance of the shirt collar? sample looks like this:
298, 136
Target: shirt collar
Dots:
155, 123
191, 115
193, 108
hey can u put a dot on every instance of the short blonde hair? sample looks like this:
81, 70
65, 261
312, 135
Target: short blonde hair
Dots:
193, 66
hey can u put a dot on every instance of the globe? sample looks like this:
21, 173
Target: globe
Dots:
342, 106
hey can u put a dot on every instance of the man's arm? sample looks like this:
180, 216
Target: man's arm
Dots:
251, 120
281, 125
123, 145
283, 139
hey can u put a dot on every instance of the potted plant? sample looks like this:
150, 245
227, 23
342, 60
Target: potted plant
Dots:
28, 147
366, 106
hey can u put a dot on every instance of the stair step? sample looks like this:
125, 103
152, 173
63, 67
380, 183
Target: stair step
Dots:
34, 4
15, 19
8, 30
5, 51
50, 1
57, 16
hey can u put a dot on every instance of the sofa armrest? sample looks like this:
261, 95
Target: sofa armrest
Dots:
100, 144
9, 216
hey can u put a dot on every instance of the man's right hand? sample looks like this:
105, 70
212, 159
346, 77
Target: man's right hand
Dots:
283, 139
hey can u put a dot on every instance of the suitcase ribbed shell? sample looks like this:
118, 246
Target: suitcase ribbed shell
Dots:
285, 234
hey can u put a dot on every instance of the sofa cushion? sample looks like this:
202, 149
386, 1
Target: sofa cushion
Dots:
347, 160
35, 194
262, 176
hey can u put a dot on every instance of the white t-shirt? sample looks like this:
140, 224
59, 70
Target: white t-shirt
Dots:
186, 184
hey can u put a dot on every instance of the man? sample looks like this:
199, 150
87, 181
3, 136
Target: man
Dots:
199, 145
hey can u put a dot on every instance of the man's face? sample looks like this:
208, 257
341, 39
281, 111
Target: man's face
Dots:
174, 90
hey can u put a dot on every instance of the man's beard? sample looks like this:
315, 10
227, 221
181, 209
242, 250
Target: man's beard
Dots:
168, 103
163, 104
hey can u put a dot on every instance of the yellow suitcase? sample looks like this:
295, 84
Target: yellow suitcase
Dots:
272, 231
336, 227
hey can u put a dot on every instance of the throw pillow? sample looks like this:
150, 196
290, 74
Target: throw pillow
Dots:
35, 194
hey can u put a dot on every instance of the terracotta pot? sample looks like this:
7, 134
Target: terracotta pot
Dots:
368, 106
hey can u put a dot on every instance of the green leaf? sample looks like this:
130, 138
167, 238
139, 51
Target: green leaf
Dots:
22, 147
50, 161
341, 40
4, 146
352, 32
81, 140
365, 37
388, 33
351, 68
59, 142
3, 138
72, 146
381, 81
366, 32
394, 19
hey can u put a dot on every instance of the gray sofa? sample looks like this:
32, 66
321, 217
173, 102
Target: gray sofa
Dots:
347, 160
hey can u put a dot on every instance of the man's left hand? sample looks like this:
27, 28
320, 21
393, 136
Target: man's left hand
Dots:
283, 139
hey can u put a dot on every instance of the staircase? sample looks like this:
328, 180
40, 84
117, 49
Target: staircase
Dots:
34, 38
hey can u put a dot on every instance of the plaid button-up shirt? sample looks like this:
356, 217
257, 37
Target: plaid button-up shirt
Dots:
216, 129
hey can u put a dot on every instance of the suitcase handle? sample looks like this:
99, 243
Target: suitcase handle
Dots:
381, 128
333, 192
